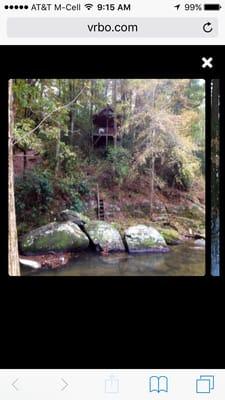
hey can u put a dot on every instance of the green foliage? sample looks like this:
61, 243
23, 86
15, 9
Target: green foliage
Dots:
162, 134
83, 188
188, 168
77, 204
72, 189
33, 194
37, 193
120, 160
68, 159
25, 92
66, 155
184, 179
20, 132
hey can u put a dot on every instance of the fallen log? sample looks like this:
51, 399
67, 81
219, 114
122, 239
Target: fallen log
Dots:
195, 236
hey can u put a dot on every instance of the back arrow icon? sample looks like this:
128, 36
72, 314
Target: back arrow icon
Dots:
13, 384
207, 27
65, 384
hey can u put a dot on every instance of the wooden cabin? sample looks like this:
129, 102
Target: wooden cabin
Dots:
24, 160
106, 127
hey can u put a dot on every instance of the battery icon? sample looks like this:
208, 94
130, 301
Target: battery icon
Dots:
212, 7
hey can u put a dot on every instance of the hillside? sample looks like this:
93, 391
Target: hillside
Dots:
129, 152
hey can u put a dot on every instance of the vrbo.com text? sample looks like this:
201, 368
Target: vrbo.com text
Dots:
112, 28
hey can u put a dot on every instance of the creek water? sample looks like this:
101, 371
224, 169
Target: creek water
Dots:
182, 260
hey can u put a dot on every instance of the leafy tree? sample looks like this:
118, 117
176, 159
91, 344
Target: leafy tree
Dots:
119, 159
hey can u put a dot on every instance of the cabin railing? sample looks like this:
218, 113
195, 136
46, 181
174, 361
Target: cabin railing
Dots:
105, 132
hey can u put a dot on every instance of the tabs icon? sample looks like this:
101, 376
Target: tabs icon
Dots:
205, 384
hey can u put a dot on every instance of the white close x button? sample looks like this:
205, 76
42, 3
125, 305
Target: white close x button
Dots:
207, 62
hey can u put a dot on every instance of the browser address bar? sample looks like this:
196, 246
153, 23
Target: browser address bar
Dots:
111, 27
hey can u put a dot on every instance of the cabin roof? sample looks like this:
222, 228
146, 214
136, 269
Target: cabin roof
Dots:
106, 117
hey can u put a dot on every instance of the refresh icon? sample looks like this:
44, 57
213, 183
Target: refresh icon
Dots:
208, 27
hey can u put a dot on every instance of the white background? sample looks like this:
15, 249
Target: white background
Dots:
140, 8
90, 384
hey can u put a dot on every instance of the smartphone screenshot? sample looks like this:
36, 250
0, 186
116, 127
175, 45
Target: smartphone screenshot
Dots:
112, 129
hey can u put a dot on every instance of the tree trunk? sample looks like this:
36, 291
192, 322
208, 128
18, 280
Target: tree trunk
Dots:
152, 176
215, 223
114, 99
13, 256
152, 171
91, 112
24, 162
72, 112
57, 153
106, 90
124, 97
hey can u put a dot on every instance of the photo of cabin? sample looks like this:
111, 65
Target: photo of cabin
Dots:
107, 177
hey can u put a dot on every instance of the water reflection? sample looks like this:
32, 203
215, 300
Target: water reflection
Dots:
184, 259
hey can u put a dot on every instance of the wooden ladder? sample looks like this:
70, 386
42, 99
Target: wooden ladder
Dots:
101, 210
100, 206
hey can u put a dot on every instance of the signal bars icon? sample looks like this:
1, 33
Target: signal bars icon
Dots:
89, 6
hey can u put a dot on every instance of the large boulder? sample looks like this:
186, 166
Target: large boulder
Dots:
142, 238
56, 237
104, 236
171, 236
73, 216
200, 243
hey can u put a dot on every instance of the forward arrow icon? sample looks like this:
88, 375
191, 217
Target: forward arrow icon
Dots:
65, 384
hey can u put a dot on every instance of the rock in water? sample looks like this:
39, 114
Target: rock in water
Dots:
200, 242
30, 263
65, 236
142, 238
170, 235
104, 236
